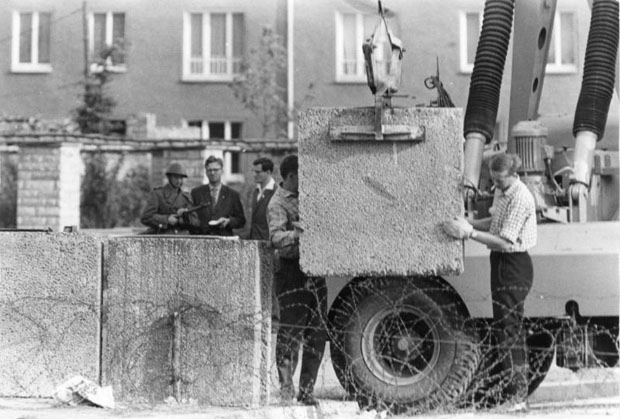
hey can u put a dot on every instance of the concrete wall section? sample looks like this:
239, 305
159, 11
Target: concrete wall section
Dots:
375, 208
221, 290
49, 311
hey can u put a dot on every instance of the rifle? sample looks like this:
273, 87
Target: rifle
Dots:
195, 208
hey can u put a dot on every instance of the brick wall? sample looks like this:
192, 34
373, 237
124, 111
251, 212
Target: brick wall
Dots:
48, 189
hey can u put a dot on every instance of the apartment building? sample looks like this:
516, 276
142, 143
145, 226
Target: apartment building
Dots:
179, 56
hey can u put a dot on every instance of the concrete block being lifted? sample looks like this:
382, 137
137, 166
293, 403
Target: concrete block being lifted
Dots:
188, 317
374, 207
49, 310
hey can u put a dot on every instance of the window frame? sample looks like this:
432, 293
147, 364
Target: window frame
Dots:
360, 76
231, 60
34, 66
226, 153
558, 67
109, 32
464, 66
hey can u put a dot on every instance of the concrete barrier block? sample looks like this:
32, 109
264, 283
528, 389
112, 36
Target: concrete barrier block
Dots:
49, 311
221, 291
375, 207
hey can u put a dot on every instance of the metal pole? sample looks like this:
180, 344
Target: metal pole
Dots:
85, 37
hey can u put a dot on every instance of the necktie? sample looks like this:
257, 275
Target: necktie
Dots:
213, 197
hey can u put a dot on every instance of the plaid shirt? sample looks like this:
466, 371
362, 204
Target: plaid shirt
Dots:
514, 217
282, 210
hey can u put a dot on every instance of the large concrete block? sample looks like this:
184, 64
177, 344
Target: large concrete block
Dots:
219, 347
375, 207
49, 310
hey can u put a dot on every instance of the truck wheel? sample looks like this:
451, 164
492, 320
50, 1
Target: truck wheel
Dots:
487, 389
403, 342
540, 351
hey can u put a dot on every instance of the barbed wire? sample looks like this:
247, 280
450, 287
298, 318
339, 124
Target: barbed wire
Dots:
398, 335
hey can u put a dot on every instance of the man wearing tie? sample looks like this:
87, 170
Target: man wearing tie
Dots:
222, 209
265, 187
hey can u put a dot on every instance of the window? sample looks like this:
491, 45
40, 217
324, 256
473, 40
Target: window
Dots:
106, 30
470, 26
352, 29
213, 46
562, 54
232, 154
30, 52
563, 40
232, 160
217, 130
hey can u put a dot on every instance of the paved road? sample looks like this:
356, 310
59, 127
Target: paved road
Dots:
585, 394
329, 409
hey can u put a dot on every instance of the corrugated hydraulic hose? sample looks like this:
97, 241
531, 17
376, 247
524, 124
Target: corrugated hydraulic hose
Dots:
486, 79
599, 69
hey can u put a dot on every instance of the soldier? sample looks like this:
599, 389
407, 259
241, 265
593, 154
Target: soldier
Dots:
166, 210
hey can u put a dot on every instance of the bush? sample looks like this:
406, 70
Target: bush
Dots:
107, 202
130, 195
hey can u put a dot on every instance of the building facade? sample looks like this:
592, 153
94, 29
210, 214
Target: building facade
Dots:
178, 57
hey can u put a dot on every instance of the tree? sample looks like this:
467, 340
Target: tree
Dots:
257, 86
97, 186
91, 115
108, 201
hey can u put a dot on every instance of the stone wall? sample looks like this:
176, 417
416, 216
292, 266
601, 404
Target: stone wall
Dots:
48, 194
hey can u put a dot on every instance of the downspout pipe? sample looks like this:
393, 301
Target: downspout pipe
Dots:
290, 68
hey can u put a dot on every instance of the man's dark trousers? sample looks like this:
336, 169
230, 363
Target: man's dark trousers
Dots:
512, 275
303, 303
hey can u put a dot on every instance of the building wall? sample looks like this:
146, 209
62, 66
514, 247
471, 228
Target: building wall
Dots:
152, 82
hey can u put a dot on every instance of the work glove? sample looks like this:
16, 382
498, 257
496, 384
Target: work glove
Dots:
458, 227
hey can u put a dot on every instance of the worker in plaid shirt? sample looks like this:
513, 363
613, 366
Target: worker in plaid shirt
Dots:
509, 233
303, 299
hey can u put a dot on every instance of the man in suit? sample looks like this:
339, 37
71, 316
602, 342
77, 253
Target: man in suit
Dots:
265, 187
166, 210
222, 209
259, 230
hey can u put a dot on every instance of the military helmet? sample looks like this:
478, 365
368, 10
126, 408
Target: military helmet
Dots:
176, 169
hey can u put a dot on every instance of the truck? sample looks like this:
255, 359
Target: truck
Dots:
422, 342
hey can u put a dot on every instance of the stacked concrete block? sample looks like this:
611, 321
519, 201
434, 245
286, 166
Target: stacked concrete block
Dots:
187, 317
48, 194
49, 311
375, 207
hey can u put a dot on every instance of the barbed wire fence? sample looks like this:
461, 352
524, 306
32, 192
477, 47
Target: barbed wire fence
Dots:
405, 345
400, 344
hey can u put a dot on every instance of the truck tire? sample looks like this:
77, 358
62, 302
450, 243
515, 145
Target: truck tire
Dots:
487, 389
540, 352
402, 343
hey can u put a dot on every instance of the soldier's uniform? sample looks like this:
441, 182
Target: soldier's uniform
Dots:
165, 201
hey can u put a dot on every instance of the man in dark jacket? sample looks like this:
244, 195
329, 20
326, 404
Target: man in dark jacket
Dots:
265, 187
303, 299
222, 210
165, 211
